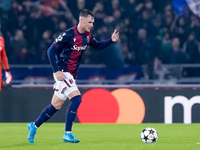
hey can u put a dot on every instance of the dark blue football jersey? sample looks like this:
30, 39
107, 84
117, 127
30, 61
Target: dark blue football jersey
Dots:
70, 45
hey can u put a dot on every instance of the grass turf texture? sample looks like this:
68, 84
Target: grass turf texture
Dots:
13, 136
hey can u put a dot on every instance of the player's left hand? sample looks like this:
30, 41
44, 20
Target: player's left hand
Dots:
8, 77
115, 36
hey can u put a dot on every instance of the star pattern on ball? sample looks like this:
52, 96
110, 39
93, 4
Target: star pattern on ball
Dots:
149, 135
151, 131
145, 138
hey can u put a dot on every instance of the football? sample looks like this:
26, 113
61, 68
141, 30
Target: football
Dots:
149, 135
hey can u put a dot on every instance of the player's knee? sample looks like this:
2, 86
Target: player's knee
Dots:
57, 105
57, 102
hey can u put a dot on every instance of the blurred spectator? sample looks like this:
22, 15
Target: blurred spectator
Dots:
21, 23
195, 26
27, 5
156, 25
99, 14
176, 55
192, 48
117, 15
10, 19
146, 49
148, 5
144, 22
23, 57
127, 30
61, 27
166, 46
45, 43
115, 5
17, 43
168, 16
80, 5
36, 23
129, 10
181, 30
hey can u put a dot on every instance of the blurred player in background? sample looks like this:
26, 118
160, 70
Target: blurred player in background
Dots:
4, 62
65, 55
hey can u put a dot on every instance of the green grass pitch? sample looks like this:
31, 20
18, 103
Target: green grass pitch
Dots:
13, 136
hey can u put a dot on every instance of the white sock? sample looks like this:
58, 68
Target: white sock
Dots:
35, 125
68, 131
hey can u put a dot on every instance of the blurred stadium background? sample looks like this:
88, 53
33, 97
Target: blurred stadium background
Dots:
158, 57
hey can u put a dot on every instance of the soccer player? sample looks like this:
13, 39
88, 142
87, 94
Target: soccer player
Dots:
65, 55
4, 62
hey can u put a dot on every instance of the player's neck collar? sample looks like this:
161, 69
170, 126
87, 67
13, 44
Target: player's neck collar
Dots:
79, 32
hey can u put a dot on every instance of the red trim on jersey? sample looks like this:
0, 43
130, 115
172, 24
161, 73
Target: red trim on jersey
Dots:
55, 45
71, 67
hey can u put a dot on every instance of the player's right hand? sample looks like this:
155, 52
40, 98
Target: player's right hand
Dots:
115, 36
60, 75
